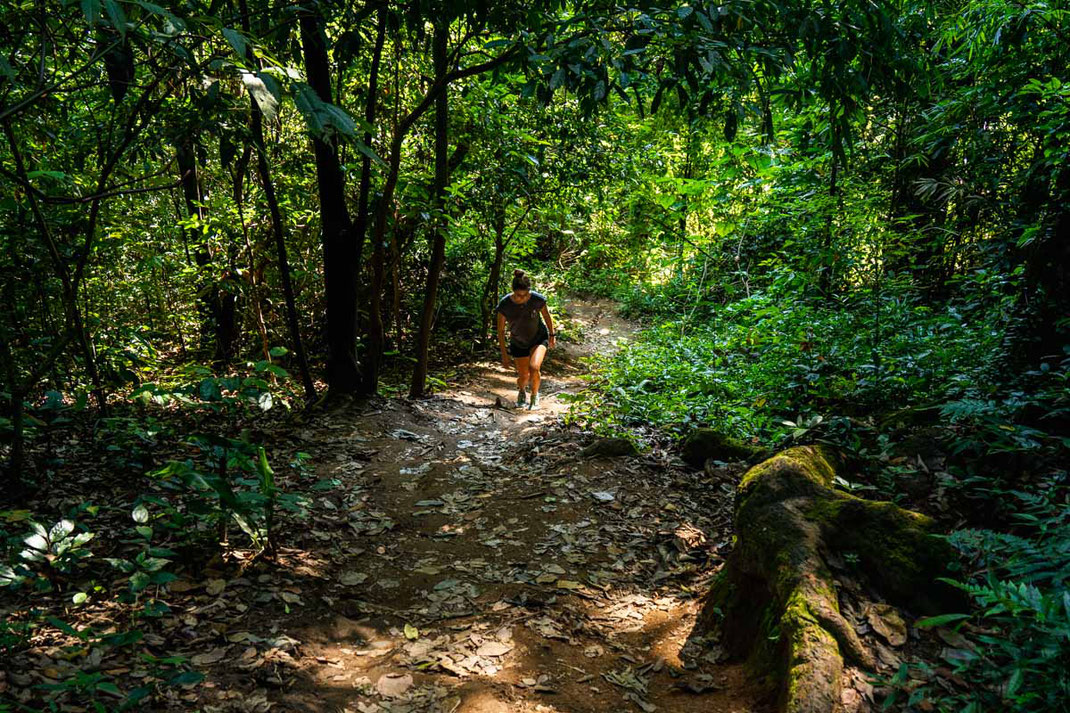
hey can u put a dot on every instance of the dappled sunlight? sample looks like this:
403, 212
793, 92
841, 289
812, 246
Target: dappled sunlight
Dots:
472, 561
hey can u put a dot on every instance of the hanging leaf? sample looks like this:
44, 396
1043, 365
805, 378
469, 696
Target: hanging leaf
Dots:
266, 99
237, 41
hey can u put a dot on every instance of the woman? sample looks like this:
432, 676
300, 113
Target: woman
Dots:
529, 338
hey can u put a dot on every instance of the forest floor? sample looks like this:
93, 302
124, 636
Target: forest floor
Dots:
457, 556
469, 559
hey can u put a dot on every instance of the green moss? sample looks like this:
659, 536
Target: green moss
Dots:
788, 515
609, 448
895, 546
703, 444
804, 466
813, 663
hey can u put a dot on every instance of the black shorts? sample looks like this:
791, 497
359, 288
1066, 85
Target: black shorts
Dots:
519, 351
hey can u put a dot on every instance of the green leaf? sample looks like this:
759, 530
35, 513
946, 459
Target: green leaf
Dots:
267, 475
54, 175
116, 16
237, 41
67, 628
152, 564
109, 687
91, 10
138, 581
187, 678
940, 620
265, 91
7, 70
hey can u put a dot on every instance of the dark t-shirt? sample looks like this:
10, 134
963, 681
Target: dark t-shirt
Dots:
524, 320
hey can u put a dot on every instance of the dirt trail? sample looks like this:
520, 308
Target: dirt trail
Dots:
462, 557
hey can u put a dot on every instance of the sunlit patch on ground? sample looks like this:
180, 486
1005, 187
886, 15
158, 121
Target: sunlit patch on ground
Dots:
458, 556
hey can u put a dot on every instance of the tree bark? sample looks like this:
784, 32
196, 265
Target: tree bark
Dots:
279, 231
438, 192
776, 600
339, 246
490, 289
217, 334
360, 227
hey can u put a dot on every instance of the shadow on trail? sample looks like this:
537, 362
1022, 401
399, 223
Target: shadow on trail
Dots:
469, 560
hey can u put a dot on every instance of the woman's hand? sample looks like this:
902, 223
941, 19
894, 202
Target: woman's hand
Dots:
553, 341
506, 361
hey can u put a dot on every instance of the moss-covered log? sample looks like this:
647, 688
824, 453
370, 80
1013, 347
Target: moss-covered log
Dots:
776, 600
703, 444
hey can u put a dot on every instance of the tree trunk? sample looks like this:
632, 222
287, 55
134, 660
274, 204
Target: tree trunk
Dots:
14, 486
360, 227
209, 305
339, 246
397, 247
254, 275
490, 289
776, 599
69, 283
279, 231
438, 192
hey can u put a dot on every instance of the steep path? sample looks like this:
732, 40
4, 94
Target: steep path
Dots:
463, 557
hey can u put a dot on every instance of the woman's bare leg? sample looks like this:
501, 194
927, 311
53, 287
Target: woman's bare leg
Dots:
522, 372
534, 366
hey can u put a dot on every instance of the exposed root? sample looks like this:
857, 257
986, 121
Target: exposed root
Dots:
776, 600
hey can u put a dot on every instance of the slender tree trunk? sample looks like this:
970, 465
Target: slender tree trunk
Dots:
360, 227
15, 484
395, 281
682, 224
254, 280
490, 289
69, 283
339, 246
827, 258
279, 231
438, 192
209, 303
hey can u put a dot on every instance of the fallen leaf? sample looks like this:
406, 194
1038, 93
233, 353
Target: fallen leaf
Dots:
353, 579
494, 648
393, 685
207, 659
215, 586
887, 622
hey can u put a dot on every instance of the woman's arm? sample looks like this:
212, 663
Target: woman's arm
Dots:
549, 326
501, 340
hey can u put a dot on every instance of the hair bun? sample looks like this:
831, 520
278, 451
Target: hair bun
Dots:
518, 273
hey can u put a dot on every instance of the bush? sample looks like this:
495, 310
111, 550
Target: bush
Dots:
1022, 617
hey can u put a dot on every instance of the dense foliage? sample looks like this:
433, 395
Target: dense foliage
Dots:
842, 222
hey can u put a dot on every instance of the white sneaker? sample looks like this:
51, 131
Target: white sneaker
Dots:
521, 398
534, 401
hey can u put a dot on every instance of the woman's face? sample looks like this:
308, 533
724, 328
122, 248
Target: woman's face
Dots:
521, 296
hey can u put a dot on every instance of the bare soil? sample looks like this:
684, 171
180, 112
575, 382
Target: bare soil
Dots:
463, 557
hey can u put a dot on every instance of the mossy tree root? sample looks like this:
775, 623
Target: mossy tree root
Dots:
776, 600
